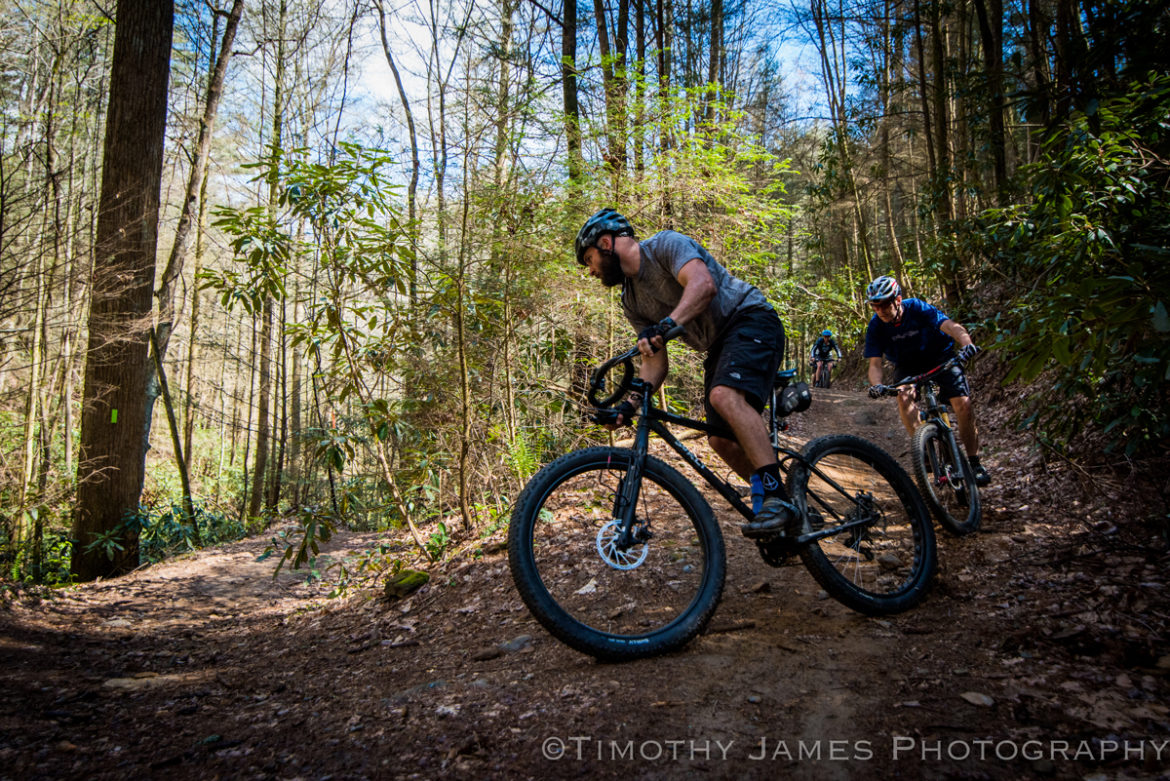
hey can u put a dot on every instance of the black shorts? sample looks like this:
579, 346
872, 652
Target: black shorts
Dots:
951, 383
745, 357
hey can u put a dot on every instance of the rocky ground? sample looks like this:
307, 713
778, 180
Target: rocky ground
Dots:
1041, 652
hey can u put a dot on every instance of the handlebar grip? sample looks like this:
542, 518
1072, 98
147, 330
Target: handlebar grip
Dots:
604, 416
678, 330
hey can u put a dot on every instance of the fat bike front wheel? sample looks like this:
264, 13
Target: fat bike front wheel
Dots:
613, 598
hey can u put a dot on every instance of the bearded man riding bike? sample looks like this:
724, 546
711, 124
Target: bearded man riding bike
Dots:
669, 280
916, 336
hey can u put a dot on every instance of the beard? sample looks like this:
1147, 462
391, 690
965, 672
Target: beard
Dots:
611, 269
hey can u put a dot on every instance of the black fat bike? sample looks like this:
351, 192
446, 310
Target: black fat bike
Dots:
940, 463
619, 556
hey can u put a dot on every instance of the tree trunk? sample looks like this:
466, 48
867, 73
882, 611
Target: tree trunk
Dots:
612, 77
177, 257
833, 68
296, 473
939, 96
412, 186
640, 90
264, 391
1037, 36
715, 64
990, 13
569, 92
924, 91
180, 461
193, 342
112, 460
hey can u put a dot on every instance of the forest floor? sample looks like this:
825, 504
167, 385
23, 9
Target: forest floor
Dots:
1041, 652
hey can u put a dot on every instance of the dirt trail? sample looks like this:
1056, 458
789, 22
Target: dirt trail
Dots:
1038, 654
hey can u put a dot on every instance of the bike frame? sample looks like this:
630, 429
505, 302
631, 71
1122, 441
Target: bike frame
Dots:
823, 366
654, 420
937, 411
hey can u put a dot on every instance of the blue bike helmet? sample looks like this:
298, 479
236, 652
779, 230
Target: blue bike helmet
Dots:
882, 289
601, 223
826, 332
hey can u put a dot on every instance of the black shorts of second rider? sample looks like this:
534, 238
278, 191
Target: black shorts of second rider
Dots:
952, 383
746, 357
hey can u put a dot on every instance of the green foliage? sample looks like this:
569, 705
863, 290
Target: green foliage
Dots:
524, 460
438, 541
45, 561
1091, 259
301, 546
357, 570
166, 531
259, 241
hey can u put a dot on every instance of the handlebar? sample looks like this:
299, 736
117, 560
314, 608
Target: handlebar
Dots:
892, 390
597, 383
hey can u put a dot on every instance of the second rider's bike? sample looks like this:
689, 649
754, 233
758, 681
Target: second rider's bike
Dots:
619, 556
940, 463
824, 377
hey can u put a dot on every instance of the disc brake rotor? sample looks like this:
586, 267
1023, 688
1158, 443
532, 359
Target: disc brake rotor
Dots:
630, 558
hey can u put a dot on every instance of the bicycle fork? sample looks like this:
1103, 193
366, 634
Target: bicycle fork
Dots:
626, 500
943, 422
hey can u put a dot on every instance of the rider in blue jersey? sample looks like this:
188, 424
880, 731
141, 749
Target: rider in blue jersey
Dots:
822, 351
916, 336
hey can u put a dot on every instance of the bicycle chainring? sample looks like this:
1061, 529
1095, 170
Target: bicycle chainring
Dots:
777, 552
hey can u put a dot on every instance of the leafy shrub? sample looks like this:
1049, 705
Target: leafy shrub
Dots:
166, 530
1090, 257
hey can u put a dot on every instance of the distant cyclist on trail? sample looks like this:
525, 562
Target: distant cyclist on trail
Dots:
668, 280
824, 346
916, 337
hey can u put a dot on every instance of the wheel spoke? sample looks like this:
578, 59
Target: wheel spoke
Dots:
595, 593
949, 488
885, 563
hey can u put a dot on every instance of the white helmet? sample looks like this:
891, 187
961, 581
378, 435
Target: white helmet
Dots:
882, 289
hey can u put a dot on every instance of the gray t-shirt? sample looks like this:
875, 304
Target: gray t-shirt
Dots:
656, 291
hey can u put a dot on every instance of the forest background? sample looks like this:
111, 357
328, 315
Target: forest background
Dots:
364, 311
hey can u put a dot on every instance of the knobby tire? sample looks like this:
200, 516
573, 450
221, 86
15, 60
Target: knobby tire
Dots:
885, 564
957, 509
580, 596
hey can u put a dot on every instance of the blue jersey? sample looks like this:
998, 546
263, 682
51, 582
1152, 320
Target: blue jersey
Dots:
916, 344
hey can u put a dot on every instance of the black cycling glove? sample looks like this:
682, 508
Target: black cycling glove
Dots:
607, 417
658, 329
966, 353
